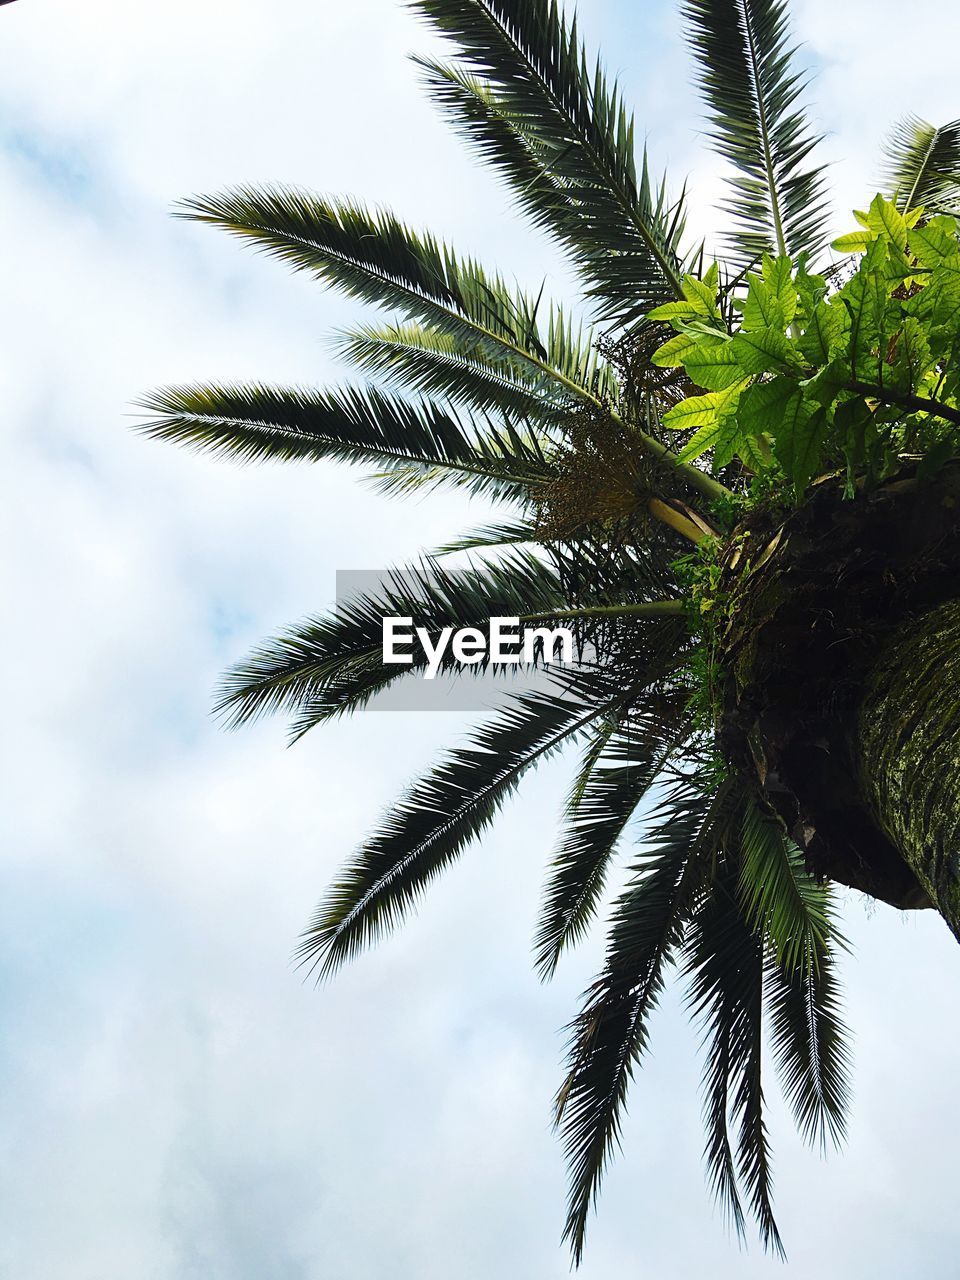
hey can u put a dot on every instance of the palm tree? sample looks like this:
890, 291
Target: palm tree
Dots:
735, 484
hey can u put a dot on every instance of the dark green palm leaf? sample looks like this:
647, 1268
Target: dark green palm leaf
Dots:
621, 763
922, 165
781, 898
372, 256
254, 423
610, 1035
746, 72
437, 364
724, 959
558, 131
332, 663
811, 1043
490, 536
429, 827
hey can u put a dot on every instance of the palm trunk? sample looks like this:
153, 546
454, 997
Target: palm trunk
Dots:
908, 748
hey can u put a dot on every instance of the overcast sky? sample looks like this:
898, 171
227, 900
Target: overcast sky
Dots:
176, 1104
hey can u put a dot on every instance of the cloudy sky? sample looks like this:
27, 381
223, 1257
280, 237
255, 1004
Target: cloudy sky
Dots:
176, 1103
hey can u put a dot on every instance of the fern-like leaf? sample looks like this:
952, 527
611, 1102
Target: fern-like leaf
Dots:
752, 87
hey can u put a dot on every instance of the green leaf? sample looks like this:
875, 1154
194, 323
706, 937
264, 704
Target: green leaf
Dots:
798, 440
752, 88
811, 288
761, 407
731, 441
433, 363
934, 242
855, 242
724, 962
885, 219
824, 387
810, 1039
671, 354
254, 423
611, 1034
331, 663
702, 297
713, 366
781, 897
675, 312
911, 354
923, 165
622, 762
371, 256
706, 438
765, 351
697, 411
761, 308
778, 277
432, 824
555, 126
823, 332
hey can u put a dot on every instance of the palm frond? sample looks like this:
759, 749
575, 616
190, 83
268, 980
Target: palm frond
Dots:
438, 816
782, 900
610, 1035
490, 536
620, 765
328, 664
724, 960
522, 89
437, 364
746, 73
922, 165
372, 256
811, 1043
254, 423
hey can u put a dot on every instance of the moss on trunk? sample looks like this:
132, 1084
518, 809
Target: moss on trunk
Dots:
839, 648
908, 743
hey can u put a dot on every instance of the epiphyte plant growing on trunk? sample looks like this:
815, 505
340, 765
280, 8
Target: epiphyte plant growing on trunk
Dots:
739, 480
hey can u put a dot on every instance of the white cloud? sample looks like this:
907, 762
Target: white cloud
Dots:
177, 1103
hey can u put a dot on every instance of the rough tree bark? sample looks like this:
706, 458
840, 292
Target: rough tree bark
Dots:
909, 751
840, 654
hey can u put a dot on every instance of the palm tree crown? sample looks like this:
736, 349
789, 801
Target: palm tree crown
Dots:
643, 461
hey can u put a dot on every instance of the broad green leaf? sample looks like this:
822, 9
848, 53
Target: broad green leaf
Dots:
873, 317
765, 351
823, 330
755, 452
798, 440
855, 242
811, 290
933, 242
695, 411
761, 308
825, 385
675, 312
714, 367
704, 439
733, 442
910, 354
761, 407
671, 354
778, 277
885, 219
701, 296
